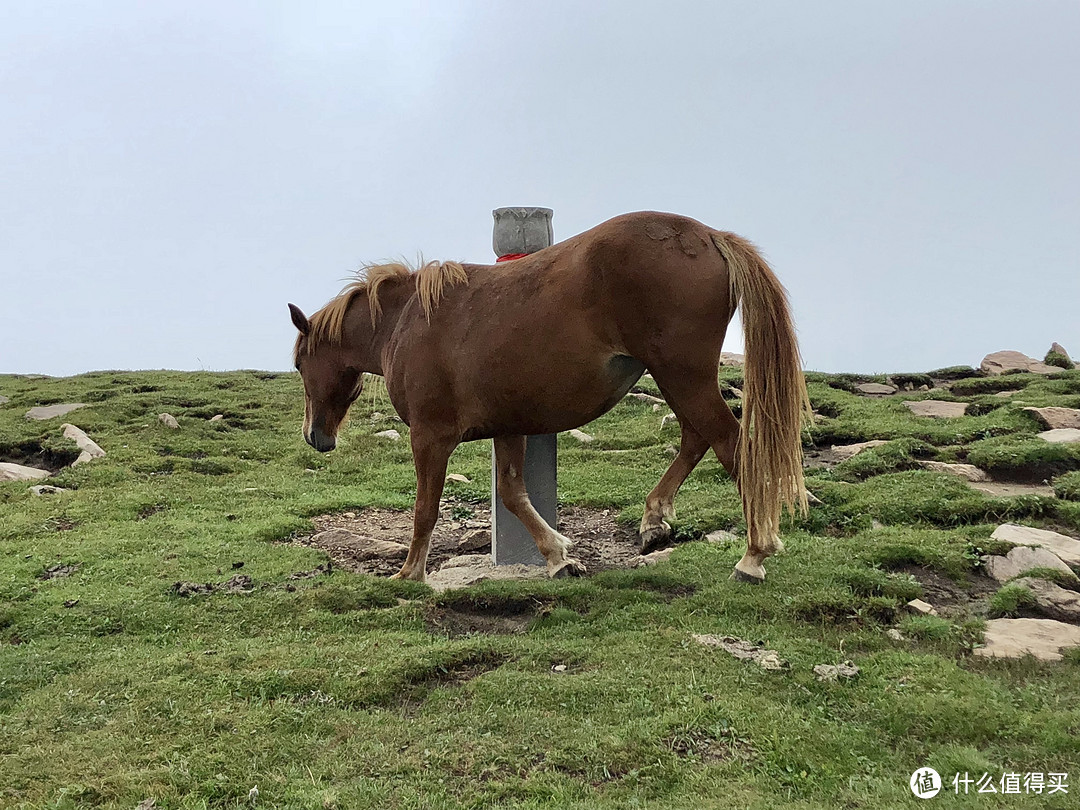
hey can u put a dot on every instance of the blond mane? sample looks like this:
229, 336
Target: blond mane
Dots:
431, 279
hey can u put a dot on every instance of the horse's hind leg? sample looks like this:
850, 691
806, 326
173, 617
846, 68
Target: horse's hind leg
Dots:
660, 503
430, 457
695, 398
510, 461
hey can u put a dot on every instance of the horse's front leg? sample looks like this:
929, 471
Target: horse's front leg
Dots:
430, 456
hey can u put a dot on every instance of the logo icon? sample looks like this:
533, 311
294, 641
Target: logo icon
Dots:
925, 783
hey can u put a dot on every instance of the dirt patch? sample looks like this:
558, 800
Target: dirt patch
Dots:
32, 454
699, 745
58, 571
241, 583
1006, 489
601, 542
487, 615
416, 688
949, 597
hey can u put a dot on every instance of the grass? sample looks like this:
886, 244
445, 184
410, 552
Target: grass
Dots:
334, 692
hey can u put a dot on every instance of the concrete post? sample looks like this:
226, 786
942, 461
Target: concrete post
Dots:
517, 232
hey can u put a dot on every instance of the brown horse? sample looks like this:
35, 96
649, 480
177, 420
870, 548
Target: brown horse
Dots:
553, 340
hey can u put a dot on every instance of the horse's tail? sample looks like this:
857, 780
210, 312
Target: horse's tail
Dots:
775, 401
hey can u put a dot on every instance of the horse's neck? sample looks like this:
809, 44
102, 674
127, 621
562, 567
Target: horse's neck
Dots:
370, 345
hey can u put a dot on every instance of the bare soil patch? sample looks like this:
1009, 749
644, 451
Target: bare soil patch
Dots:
601, 542
32, 454
949, 597
487, 615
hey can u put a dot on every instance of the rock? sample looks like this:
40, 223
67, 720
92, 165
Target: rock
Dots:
967, 471
469, 569
877, 389
925, 387
1015, 638
4, 400
45, 489
42, 412
1004, 394
17, 472
833, 672
646, 398
558, 669
169, 421
1001, 362
737, 392
582, 437
743, 650
895, 634
217, 417
458, 478
1061, 436
936, 408
668, 417
921, 608
813, 499
391, 434
731, 359
1056, 418
1052, 600
1064, 547
722, 537
89, 448
360, 547
1021, 559
475, 540
654, 558
846, 451
1057, 348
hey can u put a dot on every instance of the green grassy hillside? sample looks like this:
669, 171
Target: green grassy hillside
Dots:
347, 691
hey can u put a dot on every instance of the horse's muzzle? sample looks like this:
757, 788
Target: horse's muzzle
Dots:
320, 441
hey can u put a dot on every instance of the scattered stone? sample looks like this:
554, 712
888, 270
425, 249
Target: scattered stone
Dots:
359, 546
475, 540
1052, 600
4, 400
743, 650
582, 437
966, 471
875, 389
469, 569
1004, 394
921, 608
70, 603
1001, 362
845, 451
924, 387
17, 472
169, 421
458, 478
391, 434
1056, 418
832, 672
1061, 436
668, 417
1021, 559
737, 392
1015, 638
936, 408
558, 669
731, 359
45, 489
90, 449
42, 412
722, 537
895, 634
653, 558
217, 417
58, 571
186, 589
813, 499
647, 398
1064, 547
657, 408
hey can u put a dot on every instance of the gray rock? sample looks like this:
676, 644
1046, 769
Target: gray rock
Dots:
1056, 418
42, 412
88, 446
391, 434
4, 400
1015, 638
731, 359
921, 608
649, 398
895, 634
17, 472
581, 436
475, 540
359, 546
1061, 436
722, 537
1001, 362
1005, 394
45, 489
968, 472
470, 569
1052, 600
169, 421
654, 558
668, 417
217, 417
458, 478
833, 672
1022, 559
936, 408
877, 389
1064, 547
1057, 348
743, 650
846, 451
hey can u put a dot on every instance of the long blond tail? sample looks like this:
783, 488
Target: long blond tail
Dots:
775, 402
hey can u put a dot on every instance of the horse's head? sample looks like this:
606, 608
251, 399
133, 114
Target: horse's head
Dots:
332, 382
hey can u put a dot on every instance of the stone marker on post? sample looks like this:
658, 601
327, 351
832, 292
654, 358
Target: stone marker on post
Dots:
519, 232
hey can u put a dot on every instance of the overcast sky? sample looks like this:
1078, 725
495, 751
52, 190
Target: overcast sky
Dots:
172, 173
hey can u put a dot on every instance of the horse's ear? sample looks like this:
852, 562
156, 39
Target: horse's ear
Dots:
299, 319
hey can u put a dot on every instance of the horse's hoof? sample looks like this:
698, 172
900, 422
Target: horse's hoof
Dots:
403, 575
652, 537
567, 568
742, 576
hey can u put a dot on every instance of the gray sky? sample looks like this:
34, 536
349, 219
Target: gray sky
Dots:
172, 173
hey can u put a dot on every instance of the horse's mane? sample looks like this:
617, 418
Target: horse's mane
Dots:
328, 324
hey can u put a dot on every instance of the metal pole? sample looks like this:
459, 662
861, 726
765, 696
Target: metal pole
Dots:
518, 232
